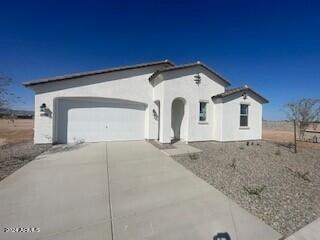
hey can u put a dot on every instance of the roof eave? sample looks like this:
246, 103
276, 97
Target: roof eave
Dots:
90, 73
154, 75
264, 100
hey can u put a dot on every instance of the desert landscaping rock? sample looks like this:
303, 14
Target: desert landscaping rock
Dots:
264, 178
14, 156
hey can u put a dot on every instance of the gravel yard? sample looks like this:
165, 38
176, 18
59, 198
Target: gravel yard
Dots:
14, 156
267, 179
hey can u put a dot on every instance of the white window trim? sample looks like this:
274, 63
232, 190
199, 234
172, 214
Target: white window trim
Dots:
245, 103
248, 125
206, 102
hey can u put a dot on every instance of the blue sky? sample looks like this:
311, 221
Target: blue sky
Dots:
273, 46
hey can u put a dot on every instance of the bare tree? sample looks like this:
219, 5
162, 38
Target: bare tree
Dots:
6, 96
304, 112
4, 93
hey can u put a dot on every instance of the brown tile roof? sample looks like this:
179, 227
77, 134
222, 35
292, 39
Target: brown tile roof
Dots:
174, 68
232, 91
90, 73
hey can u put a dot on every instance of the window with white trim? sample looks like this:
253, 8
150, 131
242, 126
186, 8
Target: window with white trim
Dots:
203, 111
244, 113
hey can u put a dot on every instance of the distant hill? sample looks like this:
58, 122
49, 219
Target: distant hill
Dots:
17, 113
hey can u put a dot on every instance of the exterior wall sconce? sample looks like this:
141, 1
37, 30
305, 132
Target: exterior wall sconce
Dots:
197, 78
44, 111
155, 115
244, 95
43, 107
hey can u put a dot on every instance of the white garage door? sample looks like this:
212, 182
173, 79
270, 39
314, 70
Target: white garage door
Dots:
101, 120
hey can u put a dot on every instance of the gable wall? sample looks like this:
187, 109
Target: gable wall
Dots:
185, 87
231, 130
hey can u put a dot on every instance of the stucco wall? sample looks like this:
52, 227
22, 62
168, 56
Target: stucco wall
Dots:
217, 119
130, 85
231, 130
222, 115
175, 85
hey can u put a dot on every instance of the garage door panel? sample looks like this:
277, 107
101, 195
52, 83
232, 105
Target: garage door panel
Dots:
94, 121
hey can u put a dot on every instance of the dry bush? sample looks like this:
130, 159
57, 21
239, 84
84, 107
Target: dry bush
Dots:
300, 174
254, 190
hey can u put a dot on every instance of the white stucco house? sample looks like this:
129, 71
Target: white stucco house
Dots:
156, 100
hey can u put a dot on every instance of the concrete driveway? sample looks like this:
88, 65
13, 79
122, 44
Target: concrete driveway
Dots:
118, 190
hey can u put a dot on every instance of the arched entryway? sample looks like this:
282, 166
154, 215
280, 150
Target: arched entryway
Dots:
178, 119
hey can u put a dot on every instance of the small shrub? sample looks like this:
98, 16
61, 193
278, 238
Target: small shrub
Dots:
193, 156
255, 190
248, 143
23, 158
278, 153
300, 174
303, 175
233, 163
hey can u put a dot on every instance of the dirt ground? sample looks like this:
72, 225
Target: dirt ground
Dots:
277, 135
16, 131
286, 137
